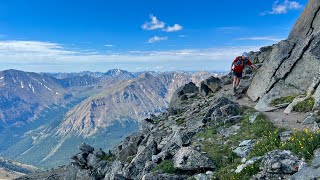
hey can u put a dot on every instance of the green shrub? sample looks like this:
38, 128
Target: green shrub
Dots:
165, 166
304, 106
108, 158
129, 159
180, 121
283, 100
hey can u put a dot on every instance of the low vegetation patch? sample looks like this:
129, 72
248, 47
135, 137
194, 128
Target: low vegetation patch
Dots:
266, 134
283, 100
165, 166
219, 148
269, 142
109, 158
304, 106
247, 172
209, 132
180, 121
303, 143
129, 159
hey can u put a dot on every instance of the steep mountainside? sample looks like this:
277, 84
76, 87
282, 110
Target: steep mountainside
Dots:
24, 95
134, 99
207, 133
112, 105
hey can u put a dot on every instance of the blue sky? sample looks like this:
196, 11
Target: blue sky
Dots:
166, 35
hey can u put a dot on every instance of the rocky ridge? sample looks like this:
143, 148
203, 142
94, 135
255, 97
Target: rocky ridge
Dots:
205, 134
290, 67
171, 146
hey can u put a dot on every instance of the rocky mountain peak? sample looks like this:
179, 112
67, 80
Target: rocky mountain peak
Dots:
308, 24
118, 72
290, 67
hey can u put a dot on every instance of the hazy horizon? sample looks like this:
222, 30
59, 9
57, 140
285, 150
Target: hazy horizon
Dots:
76, 36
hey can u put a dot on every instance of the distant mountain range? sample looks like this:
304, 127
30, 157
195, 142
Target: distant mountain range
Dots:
43, 115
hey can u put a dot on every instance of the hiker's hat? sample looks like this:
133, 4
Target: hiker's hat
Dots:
245, 54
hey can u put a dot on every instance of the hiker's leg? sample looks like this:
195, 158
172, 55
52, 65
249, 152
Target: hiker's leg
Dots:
238, 82
234, 82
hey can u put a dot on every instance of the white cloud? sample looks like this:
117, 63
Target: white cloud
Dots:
261, 38
174, 28
53, 57
153, 24
157, 39
32, 47
283, 8
109, 45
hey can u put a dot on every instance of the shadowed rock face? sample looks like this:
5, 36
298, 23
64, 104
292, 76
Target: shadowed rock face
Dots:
290, 64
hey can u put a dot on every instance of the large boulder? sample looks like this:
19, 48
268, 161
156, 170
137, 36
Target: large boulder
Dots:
182, 94
221, 110
317, 99
114, 170
144, 154
129, 146
291, 63
278, 164
188, 159
308, 23
260, 56
86, 148
99, 153
310, 172
210, 86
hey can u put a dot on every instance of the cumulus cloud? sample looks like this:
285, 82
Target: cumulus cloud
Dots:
157, 39
283, 8
53, 57
153, 24
174, 28
109, 45
261, 38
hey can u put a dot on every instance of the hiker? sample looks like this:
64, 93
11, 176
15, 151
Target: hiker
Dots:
237, 67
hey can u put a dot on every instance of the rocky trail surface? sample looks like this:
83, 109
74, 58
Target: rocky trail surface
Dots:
278, 117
